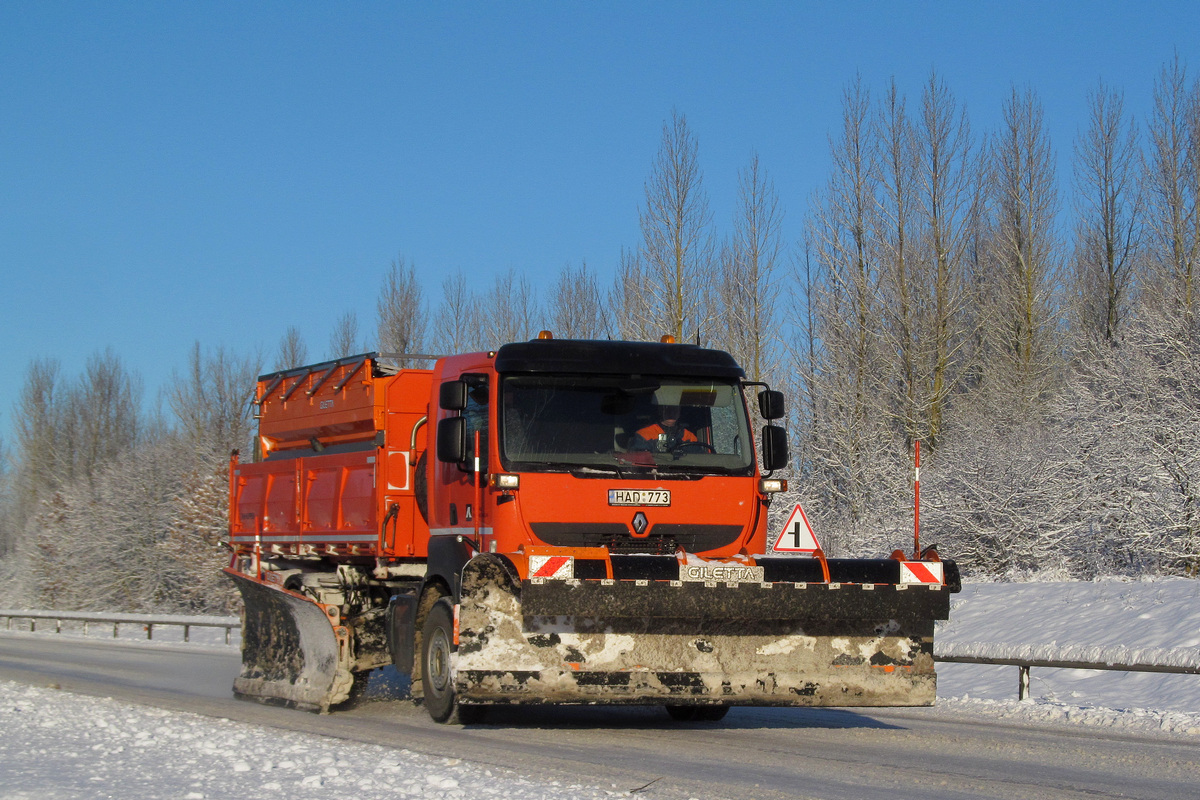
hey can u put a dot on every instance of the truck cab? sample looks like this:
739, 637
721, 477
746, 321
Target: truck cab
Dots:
573, 453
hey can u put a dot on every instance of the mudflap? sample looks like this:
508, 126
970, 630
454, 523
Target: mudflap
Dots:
293, 653
680, 643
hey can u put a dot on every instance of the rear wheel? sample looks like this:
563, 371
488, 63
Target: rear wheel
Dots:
437, 677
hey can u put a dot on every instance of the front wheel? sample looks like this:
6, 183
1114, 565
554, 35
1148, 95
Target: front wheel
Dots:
697, 713
437, 677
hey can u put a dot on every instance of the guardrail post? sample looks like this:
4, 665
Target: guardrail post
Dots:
1023, 681
58, 626
149, 631
32, 624
228, 630
186, 628
115, 624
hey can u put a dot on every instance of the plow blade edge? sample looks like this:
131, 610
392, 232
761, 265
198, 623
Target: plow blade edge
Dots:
292, 653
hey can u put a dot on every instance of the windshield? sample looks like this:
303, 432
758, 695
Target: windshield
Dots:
624, 424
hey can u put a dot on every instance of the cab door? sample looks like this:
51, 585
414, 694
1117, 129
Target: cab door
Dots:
461, 469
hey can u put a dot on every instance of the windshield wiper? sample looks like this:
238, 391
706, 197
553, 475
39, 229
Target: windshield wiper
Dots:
597, 469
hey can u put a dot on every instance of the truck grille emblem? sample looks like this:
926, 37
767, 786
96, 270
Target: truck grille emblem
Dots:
640, 524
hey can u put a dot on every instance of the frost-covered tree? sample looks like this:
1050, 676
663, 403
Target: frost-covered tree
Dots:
1173, 188
850, 444
1020, 318
1109, 219
211, 400
749, 267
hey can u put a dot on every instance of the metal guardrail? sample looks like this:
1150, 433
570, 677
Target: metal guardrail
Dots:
1122, 659
147, 621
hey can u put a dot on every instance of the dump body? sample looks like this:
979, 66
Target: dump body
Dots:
555, 521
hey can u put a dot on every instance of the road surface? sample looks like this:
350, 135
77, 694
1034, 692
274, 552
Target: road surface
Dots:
753, 753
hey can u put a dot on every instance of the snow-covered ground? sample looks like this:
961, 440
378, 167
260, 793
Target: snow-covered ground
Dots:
61, 745
1108, 620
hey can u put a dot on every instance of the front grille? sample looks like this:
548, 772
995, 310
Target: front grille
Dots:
662, 539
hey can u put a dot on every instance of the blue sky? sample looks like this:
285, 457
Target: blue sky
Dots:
217, 171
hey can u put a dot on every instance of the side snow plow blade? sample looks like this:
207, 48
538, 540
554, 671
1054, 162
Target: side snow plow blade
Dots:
293, 654
680, 643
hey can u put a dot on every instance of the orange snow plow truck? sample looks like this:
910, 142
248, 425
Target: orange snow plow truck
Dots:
553, 522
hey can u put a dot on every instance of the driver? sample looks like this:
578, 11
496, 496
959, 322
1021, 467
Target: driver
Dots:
668, 433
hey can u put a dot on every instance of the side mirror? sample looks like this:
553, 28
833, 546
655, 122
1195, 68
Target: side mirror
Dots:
770, 404
774, 447
452, 396
452, 440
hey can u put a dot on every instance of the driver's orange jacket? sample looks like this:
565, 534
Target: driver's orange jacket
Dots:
651, 433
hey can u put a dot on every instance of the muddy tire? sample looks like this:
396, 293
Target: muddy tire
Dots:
437, 650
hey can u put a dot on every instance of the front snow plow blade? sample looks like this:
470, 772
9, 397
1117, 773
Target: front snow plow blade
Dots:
671, 642
293, 654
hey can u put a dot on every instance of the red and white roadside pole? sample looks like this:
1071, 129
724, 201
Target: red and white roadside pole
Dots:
917, 505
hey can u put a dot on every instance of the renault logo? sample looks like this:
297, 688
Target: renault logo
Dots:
640, 524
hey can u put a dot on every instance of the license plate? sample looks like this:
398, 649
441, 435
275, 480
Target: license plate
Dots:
720, 573
639, 497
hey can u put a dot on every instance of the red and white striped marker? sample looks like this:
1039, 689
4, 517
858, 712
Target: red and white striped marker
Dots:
921, 572
555, 567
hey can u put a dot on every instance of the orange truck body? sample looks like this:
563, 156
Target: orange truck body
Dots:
494, 527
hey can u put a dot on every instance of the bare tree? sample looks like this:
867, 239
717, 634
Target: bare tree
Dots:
8, 533
292, 350
1023, 321
105, 407
511, 312
456, 327
677, 246
344, 341
1172, 180
800, 382
211, 400
903, 271
946, 173
1109, 217
849, 436
748, 274
631, 304
576, 308
42, 463
402, 316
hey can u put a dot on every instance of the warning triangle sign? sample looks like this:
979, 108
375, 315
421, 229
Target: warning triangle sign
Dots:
797, 535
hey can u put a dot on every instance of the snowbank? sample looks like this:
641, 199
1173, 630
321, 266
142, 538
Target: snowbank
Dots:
64, 745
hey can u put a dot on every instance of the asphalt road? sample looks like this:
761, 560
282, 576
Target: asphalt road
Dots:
752, 753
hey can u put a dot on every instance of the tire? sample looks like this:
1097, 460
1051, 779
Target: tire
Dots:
711, 713
437, 652
697, 713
